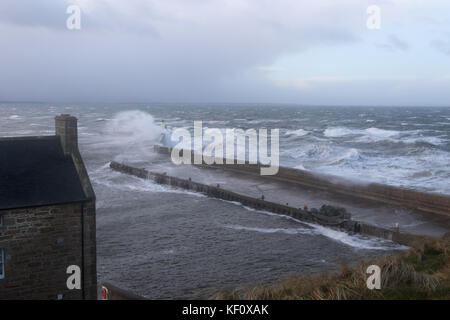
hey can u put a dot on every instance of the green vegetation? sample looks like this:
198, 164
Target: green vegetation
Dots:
421, 273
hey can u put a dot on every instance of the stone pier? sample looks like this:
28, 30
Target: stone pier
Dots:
343, 223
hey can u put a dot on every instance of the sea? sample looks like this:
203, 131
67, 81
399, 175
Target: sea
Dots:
166, 243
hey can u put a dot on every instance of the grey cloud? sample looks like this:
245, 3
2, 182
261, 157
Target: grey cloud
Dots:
394, 43
166, 50
152, 50
442, 46
42, 13
52, 14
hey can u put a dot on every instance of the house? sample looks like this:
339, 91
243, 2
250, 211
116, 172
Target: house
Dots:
47, 217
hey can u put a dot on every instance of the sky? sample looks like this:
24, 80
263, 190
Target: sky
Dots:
243, 51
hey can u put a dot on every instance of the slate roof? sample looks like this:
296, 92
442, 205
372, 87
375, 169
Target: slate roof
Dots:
34, 172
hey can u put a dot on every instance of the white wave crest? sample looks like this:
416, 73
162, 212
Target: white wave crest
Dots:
334, 132
350, 154
381, 133
370, 134
272, 230
300, 167
133, 127
355, 241
298, 132
116, 180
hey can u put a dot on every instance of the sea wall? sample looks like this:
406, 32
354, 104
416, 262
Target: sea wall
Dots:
426, 202
260, 204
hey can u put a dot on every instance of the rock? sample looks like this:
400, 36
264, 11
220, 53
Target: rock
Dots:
331, 211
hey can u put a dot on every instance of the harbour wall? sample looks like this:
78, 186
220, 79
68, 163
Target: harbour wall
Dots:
300, 214
425, 202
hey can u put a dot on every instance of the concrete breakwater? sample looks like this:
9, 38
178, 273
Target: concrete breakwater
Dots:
425, 202
343, 221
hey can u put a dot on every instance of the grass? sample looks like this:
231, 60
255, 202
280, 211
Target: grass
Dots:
421, 273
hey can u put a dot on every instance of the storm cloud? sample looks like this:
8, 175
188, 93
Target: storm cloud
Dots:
169, 50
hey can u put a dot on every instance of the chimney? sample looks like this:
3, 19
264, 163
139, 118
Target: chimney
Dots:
66, 129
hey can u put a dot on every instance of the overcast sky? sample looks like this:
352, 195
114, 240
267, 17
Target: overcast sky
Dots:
287, 51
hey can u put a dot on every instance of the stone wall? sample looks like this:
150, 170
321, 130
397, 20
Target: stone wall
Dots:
39, 244
66, 127
426, 202
90, 251
89, 231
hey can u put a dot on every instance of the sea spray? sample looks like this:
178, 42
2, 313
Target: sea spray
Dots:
134, 127
133, 134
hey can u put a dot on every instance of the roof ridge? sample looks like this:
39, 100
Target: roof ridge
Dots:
28, 138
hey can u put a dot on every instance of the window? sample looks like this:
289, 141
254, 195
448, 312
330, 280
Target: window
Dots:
2, 264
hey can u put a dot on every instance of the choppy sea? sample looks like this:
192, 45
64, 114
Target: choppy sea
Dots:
168, 243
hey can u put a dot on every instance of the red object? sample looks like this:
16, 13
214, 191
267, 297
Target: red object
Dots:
105, 293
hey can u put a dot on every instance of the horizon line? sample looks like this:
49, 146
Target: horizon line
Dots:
229, 103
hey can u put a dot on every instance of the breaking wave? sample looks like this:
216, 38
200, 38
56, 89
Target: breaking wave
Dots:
372, 134
338, 132
380, 133
272, 230
133, 128
350, 154
355, 241
116, 180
